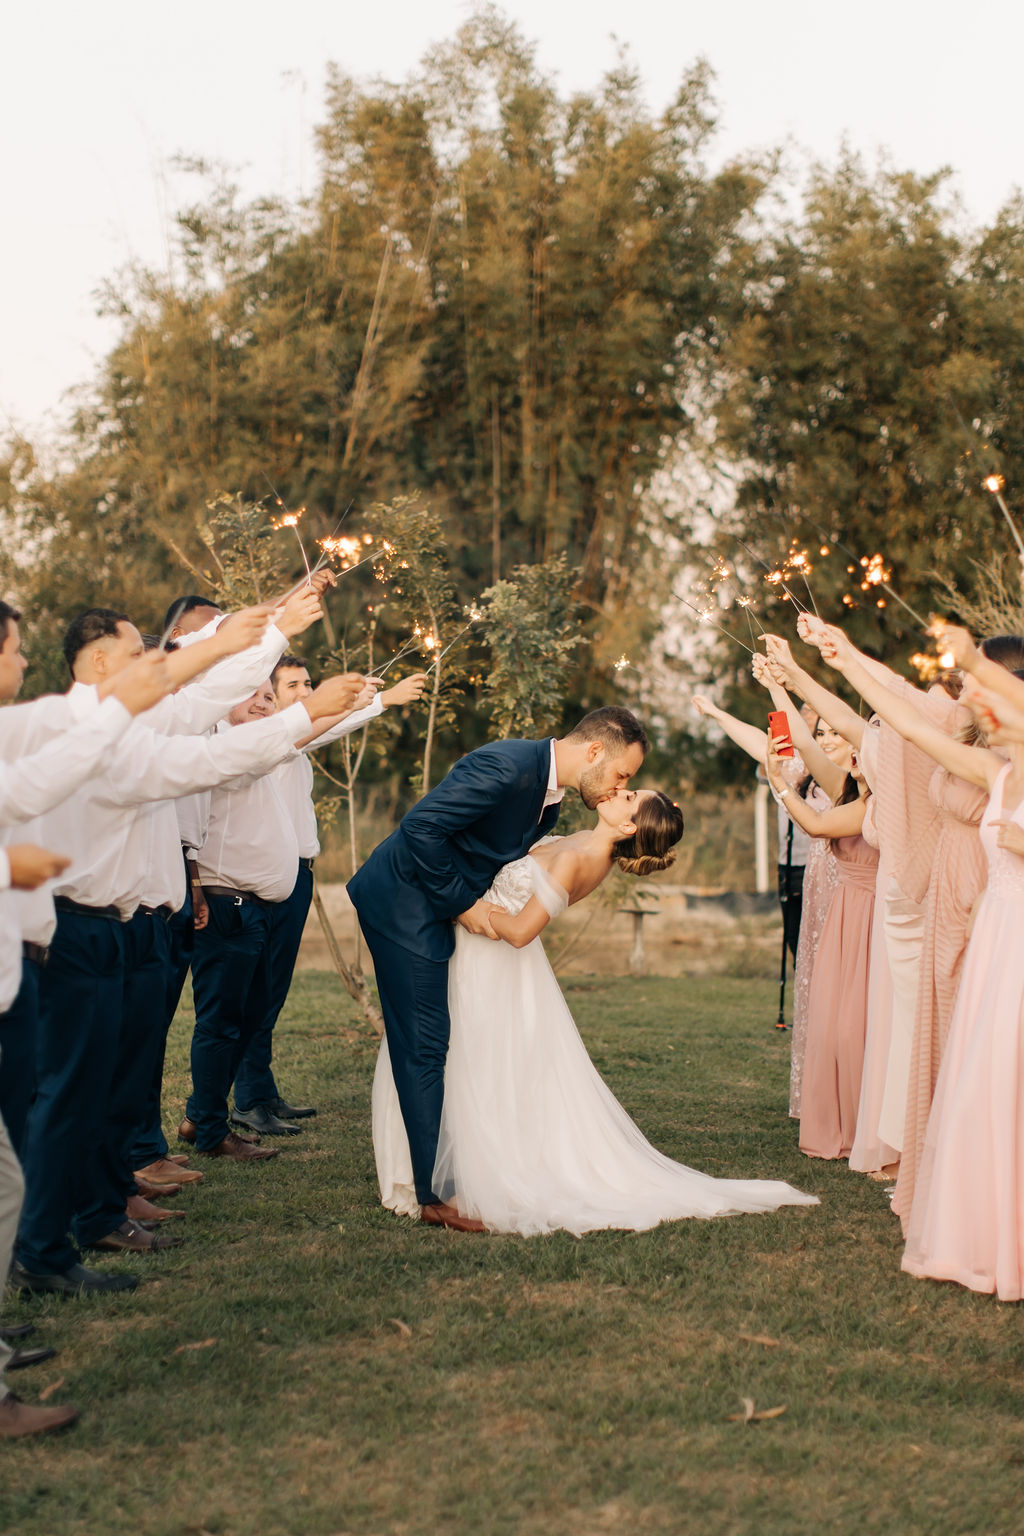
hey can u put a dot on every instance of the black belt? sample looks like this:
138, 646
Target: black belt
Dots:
65, 904
37, 953
165, 912
240, 898
306, 863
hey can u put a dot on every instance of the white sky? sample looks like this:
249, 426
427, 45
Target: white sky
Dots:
96, 99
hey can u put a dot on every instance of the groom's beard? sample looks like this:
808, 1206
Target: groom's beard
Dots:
592, 788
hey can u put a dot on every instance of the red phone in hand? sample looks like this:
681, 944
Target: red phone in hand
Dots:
778, 729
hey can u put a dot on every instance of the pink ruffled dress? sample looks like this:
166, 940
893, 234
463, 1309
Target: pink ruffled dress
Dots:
967, 1218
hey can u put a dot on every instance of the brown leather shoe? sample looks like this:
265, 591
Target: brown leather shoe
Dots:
163, 1171
145, 1212
129, 1237
444, 1215
18, 1419
238, 1151
156, 1191
187, 1131
181, 1158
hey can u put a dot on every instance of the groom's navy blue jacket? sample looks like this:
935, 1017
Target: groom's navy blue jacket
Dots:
448, 848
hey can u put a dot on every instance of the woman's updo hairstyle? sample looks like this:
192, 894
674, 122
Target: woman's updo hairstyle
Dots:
659, 826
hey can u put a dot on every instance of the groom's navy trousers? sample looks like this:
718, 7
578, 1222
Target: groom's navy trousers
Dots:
440, 860
414, 1002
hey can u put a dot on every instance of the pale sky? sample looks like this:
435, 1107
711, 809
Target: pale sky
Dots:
96, 100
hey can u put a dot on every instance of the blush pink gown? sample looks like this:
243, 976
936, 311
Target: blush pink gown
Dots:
837, 1009
819, 886
958, 879
967, 1219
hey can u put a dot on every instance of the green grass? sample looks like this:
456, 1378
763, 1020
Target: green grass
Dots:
361, 1374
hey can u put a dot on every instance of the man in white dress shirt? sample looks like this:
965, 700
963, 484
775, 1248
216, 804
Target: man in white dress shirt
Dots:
258, 1102
81, 990
247, 866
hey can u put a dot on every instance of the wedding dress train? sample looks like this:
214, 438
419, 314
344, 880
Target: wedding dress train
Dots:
532, 1139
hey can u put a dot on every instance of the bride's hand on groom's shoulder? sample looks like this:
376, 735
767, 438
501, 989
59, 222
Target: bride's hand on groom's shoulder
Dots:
478, 918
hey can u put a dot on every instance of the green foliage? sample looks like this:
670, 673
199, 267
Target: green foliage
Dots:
532, 631
250, 558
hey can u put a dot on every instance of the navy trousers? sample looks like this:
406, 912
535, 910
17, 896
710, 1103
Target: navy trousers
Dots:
80, 996
150, 1142
414, 1001
19, 1028
229, 959
254, 1080
146, 945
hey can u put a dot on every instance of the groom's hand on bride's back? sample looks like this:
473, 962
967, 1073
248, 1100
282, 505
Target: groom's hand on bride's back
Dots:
478, 918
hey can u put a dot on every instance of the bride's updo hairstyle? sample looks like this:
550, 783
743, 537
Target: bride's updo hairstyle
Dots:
659, 826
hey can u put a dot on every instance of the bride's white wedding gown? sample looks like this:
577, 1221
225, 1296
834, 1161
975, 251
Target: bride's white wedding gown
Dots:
532, 1139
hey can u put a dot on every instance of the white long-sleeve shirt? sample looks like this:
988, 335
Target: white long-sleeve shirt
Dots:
250, 841
294, 778
37, 781
200, 704
101, 828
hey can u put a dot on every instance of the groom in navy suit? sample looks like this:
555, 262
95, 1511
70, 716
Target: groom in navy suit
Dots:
433, 871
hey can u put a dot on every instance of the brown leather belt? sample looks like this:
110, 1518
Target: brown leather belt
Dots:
37, 953
65, 904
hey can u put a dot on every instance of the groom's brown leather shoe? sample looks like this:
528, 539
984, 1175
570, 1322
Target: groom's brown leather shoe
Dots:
443, 1215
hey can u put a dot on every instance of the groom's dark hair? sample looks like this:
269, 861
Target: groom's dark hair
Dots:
614, 727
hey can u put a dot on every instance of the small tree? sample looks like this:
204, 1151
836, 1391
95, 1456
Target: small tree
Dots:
531, 629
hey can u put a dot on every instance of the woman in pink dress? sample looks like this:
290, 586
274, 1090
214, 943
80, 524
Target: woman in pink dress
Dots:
840, 1027
821, 754
956, 885
837, 1003
966, 1222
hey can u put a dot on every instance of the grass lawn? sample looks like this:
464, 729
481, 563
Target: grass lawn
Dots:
311, 1364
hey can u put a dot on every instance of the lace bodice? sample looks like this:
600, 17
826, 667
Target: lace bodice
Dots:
1005, 869
515, 883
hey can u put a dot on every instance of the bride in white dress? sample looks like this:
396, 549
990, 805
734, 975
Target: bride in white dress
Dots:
532, 1139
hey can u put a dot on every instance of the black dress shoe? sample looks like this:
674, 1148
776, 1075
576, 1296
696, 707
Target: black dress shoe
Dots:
76, 1281
262, 1119
288, 1111
23, 1357
17, 1331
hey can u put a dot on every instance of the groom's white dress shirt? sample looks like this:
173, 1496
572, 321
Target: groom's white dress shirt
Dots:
553, 795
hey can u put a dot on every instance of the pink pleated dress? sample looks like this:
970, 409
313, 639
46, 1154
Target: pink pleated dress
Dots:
819, 886
837, 1006
967, 1218
958, 879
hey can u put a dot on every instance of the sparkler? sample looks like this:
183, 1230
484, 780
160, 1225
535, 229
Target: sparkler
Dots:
876, 575
289, 520
179, 609
704, 615
431, 641
993, 482
774, 577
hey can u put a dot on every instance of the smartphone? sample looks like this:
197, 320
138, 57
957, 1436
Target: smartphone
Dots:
778, 728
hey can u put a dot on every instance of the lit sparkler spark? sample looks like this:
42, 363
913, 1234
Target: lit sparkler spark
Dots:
995, 483
289, 519
704, 615
876, 574
622, 663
